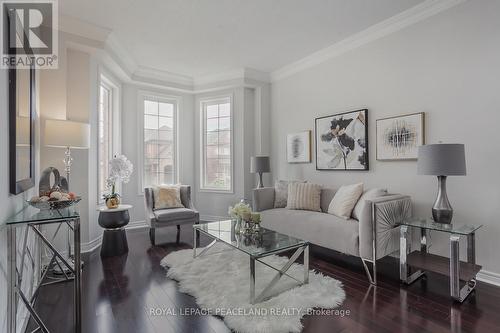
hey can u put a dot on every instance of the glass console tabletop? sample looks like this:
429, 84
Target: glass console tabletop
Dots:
429, 224
31, 214
259, 244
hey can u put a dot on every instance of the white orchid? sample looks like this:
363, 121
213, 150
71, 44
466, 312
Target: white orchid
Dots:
120, 169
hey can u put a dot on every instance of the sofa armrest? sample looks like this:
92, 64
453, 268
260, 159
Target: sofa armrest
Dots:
380, 219
148, 205
263, 198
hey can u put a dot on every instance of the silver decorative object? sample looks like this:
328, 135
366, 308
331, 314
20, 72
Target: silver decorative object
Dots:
442, 160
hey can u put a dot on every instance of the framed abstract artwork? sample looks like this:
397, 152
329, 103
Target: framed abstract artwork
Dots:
398, 137
342, 141
298, 147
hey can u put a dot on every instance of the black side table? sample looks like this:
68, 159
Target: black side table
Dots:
114, 238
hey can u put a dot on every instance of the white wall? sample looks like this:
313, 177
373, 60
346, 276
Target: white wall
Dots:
447, 66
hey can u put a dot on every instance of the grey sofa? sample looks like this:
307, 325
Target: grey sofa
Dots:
374, 236
159, 218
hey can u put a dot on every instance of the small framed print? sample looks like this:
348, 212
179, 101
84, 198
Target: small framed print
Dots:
298, 147
398, 138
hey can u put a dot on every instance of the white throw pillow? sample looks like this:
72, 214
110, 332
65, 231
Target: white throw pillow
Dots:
367, 195
304, 196
167, 196
344, 200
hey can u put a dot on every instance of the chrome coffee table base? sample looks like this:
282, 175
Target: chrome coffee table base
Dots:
223, 233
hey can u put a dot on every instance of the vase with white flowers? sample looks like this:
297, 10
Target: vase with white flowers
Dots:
240, 213
120, 170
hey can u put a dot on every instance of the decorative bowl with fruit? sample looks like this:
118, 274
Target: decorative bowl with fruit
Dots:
56, 199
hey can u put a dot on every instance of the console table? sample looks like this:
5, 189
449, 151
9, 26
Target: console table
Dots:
423, 261
32, 219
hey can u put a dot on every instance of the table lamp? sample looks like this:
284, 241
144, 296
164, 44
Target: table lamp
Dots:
441, 160
259, 164
67, 134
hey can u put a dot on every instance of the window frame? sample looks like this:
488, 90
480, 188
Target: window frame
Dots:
203, 109
113, 120
157, 97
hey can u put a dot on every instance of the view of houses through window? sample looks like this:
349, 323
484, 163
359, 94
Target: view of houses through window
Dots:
159, 142
216, 149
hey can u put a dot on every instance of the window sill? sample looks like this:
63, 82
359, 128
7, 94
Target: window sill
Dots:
209, 190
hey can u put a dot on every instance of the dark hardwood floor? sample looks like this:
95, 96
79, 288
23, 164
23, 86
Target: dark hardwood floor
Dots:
119, 292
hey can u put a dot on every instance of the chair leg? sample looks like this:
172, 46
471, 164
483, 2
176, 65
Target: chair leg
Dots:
152, 236
178, 227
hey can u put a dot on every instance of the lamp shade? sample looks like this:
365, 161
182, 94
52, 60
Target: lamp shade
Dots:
65, 133
441, 160
259, 164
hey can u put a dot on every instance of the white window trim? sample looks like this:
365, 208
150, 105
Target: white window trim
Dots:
114, 88
176, 100
203, 102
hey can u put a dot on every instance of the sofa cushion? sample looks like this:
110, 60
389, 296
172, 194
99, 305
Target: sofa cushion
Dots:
318, 228
281, 192
172, 214
304, 196
367, 195
345, 199
327, 195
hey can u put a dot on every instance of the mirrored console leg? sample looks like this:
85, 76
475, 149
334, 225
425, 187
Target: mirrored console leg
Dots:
404, 250
454, 267
11, 279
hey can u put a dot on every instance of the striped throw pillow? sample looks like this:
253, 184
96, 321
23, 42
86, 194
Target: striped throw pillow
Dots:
304, 196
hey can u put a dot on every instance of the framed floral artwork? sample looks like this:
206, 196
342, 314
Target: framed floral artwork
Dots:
298, 147
398, 137
342, 141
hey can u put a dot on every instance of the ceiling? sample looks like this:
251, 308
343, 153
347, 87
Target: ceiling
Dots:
201, 37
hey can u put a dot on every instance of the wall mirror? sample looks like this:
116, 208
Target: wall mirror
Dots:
22, 103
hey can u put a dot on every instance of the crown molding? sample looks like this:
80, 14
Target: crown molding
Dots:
391, 25
81, 28
161, 75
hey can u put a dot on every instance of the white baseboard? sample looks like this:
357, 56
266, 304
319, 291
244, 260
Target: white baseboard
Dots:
212, 218
92, 245
95, 243
489, 277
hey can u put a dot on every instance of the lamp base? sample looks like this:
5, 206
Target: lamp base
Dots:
442, 212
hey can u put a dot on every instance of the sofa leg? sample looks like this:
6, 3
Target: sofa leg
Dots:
371, 277
152, 236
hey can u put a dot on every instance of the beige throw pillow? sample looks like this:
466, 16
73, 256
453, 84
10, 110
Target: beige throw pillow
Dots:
281, 192
304, 196
344, 200
167, 196
367, 195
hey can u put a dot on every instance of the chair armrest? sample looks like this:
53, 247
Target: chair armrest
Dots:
186, 197
380, 220
148, 205
263, 198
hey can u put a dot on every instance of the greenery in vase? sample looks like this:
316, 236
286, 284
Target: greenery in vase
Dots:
240, 210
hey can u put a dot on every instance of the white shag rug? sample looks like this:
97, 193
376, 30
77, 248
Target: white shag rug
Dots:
220, 282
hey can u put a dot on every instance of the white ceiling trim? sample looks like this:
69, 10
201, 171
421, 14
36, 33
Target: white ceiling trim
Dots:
391, 25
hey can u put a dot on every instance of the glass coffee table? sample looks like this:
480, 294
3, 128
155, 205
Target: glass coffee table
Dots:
256, 245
